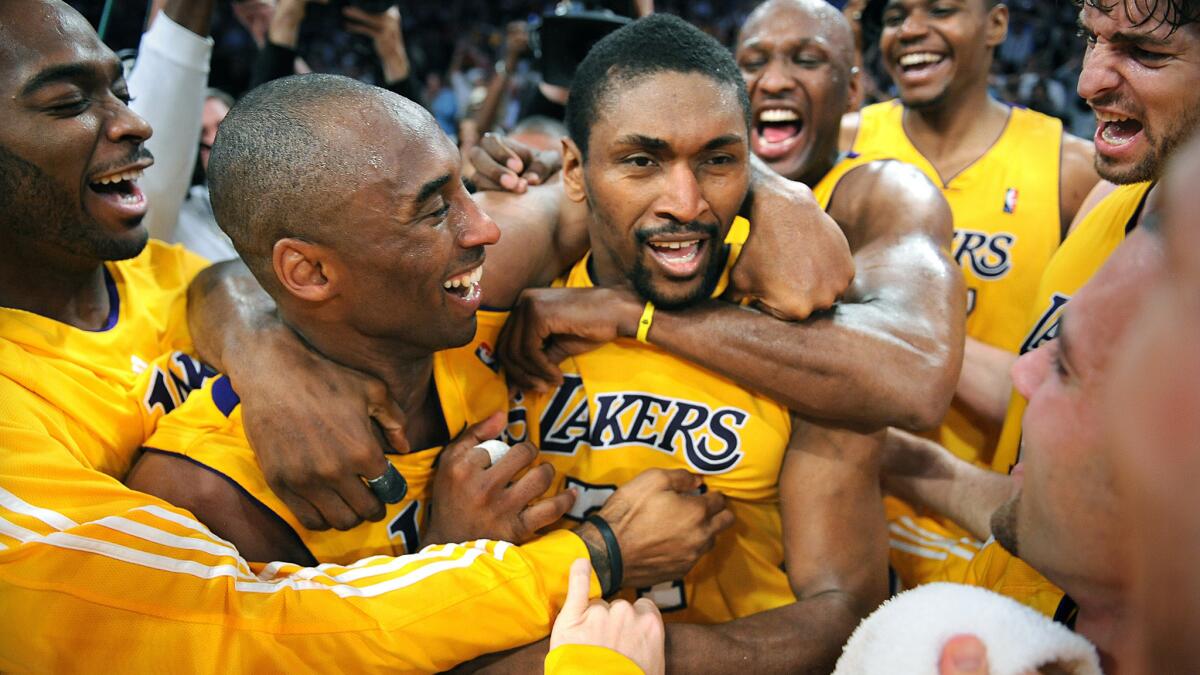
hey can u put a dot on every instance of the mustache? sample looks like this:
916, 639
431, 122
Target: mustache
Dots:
693, 227
136, 155
1114, 100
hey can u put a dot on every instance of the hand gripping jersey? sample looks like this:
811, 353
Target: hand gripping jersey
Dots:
627, 407
208, 430
94, 573
1083, 253
925, 550
1006, 227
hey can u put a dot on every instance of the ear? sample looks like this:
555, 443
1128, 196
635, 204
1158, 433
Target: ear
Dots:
855, 86
304, 269
997, 25
572, 171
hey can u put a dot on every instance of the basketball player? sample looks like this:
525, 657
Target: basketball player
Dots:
886, 355
94, 340
1014, 180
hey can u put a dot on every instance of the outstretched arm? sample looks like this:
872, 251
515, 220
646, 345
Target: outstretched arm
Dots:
928, 476
835, 541
311, 422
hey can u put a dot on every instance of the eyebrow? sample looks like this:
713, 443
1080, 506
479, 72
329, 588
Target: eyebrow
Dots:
1124, 37
65, 73
651, 143
648, 142
431, 188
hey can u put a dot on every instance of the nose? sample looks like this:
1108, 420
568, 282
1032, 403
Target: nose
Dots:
1030, 369
774, 78
477, 228
682, 200
1099, 75
124, 125
914, 27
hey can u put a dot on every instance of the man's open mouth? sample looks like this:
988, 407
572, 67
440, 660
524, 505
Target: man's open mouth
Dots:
678, 257
777, 131
1115, 130
917, 65
465, 286
119, 192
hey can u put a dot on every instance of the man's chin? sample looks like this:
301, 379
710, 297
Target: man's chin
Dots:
126, 245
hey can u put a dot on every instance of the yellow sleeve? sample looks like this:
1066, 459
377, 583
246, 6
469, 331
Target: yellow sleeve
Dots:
86, 563
586, 659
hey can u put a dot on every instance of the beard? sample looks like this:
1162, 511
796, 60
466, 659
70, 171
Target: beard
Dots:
643, 281
1162, 148
37, 208
1004, 525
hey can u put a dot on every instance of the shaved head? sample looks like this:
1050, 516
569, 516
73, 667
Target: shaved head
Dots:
293, 152
834, 27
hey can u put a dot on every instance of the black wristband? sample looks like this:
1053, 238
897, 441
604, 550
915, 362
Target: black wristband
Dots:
615, 567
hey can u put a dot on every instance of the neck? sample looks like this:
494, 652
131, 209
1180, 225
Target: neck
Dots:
52, 284
816, 171
1104, 620
973, 120
407, 372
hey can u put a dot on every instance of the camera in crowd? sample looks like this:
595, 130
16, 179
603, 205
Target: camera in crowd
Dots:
566, 34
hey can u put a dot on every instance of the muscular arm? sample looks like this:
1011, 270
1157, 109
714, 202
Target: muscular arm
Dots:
928, 476
835, 541
258, 534
890, 353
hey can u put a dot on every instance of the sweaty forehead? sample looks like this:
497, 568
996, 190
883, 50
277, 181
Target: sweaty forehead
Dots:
35, 34
669, 105
784, 20
1151, 18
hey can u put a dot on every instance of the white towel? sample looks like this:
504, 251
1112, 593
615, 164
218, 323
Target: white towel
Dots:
906, 635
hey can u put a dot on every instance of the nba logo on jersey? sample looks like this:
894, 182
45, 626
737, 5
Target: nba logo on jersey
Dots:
1010, 200
484, 352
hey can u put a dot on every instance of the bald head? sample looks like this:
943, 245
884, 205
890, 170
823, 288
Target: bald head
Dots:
294, 152
828, 21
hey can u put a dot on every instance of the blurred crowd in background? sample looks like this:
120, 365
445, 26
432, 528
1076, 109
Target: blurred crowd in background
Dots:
459, 50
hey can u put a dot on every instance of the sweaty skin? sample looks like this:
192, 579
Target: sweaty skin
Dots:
952, 120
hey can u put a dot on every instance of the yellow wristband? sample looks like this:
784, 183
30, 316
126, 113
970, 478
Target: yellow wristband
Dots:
645, 321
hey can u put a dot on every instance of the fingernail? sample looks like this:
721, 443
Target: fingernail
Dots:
533, 178
508, 181
513, 163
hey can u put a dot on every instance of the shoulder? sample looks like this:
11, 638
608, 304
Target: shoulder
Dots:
890, 198
1078, 162
168, 264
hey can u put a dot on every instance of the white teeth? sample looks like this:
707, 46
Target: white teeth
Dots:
465, 280
777, 115
118, 177
674, 244
918, 59
1110, 117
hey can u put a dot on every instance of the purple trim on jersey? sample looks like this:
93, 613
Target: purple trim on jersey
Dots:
224, 397
114, 302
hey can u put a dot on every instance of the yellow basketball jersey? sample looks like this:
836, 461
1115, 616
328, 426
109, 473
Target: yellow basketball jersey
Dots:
1081, 256
627, 407
84, 556
105, 390
208, 430
1006, 227
823, 190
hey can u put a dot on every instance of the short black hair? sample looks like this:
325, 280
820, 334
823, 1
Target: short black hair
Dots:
280, 163
1175, 13
655, 44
